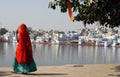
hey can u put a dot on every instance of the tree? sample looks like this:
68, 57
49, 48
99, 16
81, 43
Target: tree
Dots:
106, 12
3, 31
30, 29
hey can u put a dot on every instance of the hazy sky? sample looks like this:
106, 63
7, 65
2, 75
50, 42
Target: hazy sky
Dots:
35, 14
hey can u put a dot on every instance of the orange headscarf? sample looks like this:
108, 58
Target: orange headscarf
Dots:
70, 11
24, 47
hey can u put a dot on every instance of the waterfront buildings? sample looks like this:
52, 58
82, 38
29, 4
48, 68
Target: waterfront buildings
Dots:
84, 36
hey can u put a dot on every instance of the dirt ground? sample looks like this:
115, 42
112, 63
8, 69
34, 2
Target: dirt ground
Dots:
75, 70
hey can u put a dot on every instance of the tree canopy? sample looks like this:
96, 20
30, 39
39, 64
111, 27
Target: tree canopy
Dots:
3, 31
106, 12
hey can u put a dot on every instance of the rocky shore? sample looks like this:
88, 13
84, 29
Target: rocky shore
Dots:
75, 70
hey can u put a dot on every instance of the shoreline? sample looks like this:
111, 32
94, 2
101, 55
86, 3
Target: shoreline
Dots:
88, 43
69, 70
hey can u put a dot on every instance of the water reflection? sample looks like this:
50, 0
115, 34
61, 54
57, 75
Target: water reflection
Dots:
6, 53
63, 54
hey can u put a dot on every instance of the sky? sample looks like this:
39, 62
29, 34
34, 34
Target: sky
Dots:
35, 14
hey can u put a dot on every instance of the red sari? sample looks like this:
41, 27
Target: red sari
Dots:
24, 62
24, 48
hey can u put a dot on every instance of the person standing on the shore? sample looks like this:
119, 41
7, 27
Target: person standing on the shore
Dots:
24, 62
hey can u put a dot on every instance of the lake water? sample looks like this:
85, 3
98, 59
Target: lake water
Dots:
49, 55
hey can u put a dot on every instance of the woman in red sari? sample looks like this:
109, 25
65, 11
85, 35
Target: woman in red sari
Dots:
24, 62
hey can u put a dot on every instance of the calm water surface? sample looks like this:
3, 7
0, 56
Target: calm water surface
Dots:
49, 55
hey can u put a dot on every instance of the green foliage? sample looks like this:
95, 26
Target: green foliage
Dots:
106, 12
3, 31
